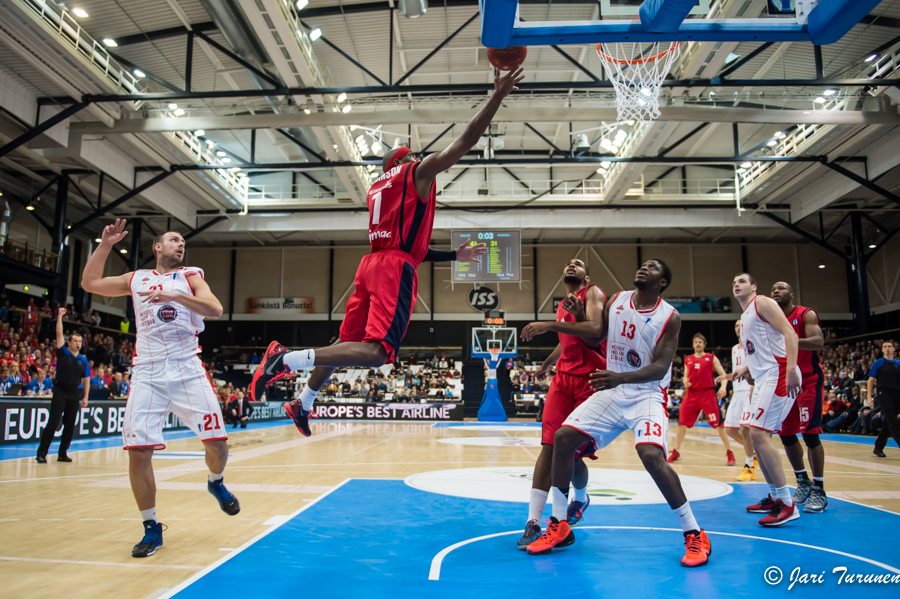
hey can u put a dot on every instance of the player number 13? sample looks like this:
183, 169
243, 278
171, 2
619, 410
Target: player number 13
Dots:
628, 330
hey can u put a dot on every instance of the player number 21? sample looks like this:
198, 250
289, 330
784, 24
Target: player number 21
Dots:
657, 429
209, 420
628, 330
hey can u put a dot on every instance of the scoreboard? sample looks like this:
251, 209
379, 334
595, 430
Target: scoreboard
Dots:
503, 261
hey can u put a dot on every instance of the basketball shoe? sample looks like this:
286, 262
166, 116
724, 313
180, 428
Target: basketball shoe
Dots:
271, 369
780, 514
228, 502
558, 534
697, 549
674, 456
575, 511
531, 534
763, 507
817, 502
729, 457
152, 540
299, 417
755, 461
802, 493
747, 475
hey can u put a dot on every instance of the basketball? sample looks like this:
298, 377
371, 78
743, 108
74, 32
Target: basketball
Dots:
507, 59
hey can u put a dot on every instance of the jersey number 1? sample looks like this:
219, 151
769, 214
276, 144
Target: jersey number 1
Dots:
376, 208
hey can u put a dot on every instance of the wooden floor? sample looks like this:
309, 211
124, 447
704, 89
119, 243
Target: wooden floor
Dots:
67, 529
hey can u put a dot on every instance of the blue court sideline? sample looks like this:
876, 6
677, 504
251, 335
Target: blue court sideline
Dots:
369, 538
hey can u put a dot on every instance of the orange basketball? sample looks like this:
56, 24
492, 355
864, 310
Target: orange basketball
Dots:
507, 59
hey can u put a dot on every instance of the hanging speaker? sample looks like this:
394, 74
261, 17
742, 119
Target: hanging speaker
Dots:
413, 9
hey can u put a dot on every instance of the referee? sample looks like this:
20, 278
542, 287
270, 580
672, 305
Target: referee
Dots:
885, 374
73, 376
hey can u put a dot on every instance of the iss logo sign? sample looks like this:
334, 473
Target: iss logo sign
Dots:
484, 298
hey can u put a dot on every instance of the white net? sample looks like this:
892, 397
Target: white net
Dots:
637, 72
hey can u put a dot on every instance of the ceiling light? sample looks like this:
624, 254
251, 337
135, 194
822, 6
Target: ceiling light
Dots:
110, 42
376, 147
712, 93
220, 153
199, 132
334, 146
98, 240
871, 58
830, 92
173, 106
235, 169
80, 13
139, 73
178, 111
742, 170
341, 97
210, 143
819, 100
822, 264
746, 164
301, 4
123, 251
731, 58
315, 34
347, 108
307, 110
781, 135
30, 206
772, 143
872, 246
226, 160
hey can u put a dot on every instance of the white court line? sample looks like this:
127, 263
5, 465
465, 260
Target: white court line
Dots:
434, 572
22, 480
247, 545
83, 563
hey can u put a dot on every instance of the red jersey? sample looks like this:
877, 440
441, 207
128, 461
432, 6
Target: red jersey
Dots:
700, 371
577, 357
398, 218
807, 360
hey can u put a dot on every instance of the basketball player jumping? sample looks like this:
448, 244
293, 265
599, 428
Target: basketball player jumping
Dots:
170, 303
579, 323
740, 403
699, 395
805, 416
771, 346
401, 216
641, 331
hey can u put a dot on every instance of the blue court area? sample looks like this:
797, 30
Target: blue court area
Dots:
375, 538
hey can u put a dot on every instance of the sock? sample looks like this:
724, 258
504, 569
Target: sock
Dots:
581, 494
819, 481
213, 477
749, 461
772, 491
686, 518
784, 494
560, 501
300, 360
307, 398
537, 503
801, 475
149, 514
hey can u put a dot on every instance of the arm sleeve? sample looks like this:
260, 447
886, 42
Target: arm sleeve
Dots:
873, 373
433, 255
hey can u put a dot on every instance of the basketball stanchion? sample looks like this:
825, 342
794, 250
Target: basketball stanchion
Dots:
637, 76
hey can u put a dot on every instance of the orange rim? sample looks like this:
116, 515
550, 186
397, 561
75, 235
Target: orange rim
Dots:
606, 56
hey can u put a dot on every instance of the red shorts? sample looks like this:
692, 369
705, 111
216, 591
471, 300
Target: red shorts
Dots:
697, 401
567, 392
806, 413
386, 287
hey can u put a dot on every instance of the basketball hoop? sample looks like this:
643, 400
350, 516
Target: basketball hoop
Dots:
495, 354
637, 76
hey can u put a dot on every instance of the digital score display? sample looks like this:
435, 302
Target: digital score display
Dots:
503, 261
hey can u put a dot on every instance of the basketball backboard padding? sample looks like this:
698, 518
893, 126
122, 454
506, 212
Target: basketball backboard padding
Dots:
830, 20
662, 16
483, 338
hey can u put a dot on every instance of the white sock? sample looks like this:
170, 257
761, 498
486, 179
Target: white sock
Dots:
772, 491
300, 360
749, 461
784, 494
581, 494
307, 398
213, 477
686, 517
560, 503
537, 503
149, 514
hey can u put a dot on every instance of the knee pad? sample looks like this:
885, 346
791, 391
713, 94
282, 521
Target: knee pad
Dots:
811, 440
788, 440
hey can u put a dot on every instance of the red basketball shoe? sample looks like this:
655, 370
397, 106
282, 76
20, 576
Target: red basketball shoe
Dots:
271, 368
674, 456
729, 455
763, 507
697, 549
780, 514
558, 534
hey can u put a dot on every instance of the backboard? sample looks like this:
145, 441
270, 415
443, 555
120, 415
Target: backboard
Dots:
484, 338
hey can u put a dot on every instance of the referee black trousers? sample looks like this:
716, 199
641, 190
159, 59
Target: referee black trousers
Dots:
65, 404
890, 426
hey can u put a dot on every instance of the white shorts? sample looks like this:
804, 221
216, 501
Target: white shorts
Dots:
180, 387
770, 404
739, 406
605, 414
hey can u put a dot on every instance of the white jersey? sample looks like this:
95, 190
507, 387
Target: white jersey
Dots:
631, 340
738, 361
164, 330
762, 342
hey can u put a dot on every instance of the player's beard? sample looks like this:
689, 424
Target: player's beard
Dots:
169, 261
573, 280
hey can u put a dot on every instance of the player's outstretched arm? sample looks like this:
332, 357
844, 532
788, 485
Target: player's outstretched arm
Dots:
203, 302
466, 252
654, 371
60, 337
92, 279
436, 163
590, 329
815, 339
771, 313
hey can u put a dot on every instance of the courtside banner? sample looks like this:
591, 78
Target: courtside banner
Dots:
23, 421
281, 305
390, 411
